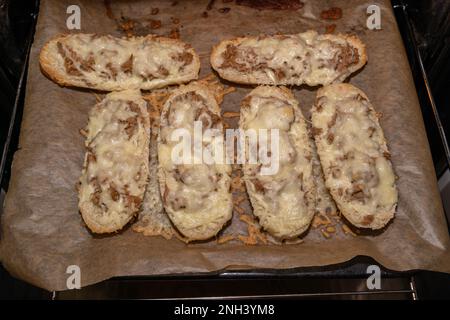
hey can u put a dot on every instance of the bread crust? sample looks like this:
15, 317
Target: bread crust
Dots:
288, 212
354, 156
260, 78
52, 64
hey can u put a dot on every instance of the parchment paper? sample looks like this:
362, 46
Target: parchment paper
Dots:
42, 232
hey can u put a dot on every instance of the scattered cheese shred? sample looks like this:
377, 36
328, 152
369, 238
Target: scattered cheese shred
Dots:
98, 98
247, 219
239, 199
347, 230
254, 231
83, 133
236, 184
325, 234
231, 114
225, 239
248, 240
320, 220
239, 210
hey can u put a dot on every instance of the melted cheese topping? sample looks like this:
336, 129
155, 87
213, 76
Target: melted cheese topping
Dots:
115, 170
284, 201
114, 63
196, 195
294, 59
354, 155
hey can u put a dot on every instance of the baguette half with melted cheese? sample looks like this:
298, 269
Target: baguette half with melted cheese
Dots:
196, 195
115, 171
109, 63
354, 156
289, 59
283, 201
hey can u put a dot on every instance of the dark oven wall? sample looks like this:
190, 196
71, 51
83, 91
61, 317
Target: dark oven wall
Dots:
426, 32
16, 29
430, 21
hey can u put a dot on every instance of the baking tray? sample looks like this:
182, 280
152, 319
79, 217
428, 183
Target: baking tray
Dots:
354, 270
